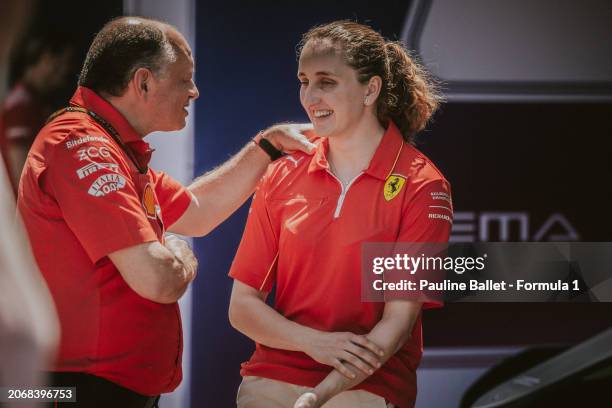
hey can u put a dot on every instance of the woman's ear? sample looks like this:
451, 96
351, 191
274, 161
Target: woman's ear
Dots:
372, 90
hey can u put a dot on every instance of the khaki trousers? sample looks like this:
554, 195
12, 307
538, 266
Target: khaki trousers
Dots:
258, 392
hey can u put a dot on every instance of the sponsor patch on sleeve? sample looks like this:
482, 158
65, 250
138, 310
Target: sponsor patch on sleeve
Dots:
94, 167
106, 184
149, 203
93, 152
84, 139
440, 196
437, 216
440, 206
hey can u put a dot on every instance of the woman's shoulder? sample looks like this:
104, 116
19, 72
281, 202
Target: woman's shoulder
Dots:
285, 171
289, 164
417, 167
292, 165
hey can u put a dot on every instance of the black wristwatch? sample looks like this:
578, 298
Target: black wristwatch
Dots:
269, 148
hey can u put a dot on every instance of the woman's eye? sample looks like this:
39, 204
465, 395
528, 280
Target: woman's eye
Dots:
303, 83
327, 83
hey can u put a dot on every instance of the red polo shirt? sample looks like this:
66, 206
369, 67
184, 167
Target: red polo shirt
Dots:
81, 198
304, 235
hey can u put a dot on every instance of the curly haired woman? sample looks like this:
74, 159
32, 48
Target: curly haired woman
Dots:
320, 343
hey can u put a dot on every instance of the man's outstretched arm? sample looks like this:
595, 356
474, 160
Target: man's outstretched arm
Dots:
220, 192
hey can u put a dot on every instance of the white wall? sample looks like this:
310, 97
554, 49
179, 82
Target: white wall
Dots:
174, 155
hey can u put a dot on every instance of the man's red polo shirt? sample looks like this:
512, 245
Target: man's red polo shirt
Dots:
82, 198
304, 235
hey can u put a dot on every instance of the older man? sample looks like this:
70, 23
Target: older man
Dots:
96, 214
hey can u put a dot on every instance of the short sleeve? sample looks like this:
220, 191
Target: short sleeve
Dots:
428, 217
428, 214
93, 187
255, 261
173, 197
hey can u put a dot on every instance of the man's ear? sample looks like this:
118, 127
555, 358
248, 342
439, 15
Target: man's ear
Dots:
141, 82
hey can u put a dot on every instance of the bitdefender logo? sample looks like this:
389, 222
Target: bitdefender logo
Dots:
106, 184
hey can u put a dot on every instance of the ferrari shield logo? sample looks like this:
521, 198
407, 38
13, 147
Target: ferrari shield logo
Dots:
393, 186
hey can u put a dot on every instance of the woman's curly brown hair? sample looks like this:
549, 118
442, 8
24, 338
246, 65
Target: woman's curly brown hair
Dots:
409, 95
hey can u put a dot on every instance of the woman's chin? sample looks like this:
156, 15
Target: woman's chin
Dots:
323, 131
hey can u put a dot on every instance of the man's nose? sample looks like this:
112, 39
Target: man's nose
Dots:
194, 93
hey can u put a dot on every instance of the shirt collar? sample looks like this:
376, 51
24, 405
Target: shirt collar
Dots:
88, 99
382, 163
319, 158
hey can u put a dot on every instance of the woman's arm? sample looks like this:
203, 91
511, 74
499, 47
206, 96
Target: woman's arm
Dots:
249, 314
391, 333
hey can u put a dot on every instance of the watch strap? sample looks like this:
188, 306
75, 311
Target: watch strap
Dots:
269, 148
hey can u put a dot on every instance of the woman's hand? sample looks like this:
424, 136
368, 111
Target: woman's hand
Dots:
307, 400
338, 348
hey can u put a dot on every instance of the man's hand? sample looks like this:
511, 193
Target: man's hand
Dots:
290, 137
337, 349
157, 272
183, 253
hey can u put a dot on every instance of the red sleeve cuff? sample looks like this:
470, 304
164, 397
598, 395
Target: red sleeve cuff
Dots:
246, 276
178, 208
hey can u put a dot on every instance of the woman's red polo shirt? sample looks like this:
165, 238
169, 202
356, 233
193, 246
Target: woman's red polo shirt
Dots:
304, 234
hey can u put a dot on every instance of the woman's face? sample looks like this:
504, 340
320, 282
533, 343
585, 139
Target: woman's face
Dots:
330, 93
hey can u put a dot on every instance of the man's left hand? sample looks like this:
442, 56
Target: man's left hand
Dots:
290, 137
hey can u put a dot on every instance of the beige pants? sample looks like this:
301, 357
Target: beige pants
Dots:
258, 392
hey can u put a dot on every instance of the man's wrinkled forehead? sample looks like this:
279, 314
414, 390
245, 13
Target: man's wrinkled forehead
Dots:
178, 41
